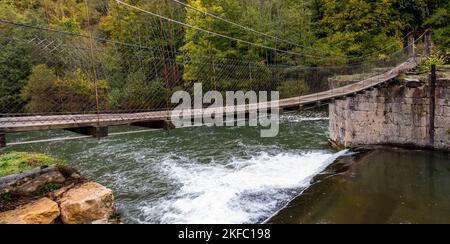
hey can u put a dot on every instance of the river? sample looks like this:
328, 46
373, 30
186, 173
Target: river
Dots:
230, 175
199, 174
386, 185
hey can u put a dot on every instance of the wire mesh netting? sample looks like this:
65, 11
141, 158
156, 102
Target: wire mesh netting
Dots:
69, 76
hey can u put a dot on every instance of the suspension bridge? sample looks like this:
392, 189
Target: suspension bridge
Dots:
35, 123
58, 107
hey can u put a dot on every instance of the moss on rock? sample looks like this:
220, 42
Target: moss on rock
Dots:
7, 197
17, 162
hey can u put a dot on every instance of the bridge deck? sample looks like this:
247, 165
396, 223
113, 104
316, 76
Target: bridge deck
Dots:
35, 123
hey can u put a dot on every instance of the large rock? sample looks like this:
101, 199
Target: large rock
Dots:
33, 186
86, 204
43, 211
11, 182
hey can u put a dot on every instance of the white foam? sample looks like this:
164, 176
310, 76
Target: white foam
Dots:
245, 191
296, 118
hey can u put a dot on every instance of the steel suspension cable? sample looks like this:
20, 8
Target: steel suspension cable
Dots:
217, 34
271, 36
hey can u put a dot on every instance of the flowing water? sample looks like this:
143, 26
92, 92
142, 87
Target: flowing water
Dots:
387, 185
199, 175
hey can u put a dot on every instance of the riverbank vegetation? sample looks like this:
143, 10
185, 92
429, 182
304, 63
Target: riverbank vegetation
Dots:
17, 162
437, 58
338, 29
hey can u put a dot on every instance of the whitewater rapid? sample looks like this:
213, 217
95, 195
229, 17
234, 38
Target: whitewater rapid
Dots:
243, 191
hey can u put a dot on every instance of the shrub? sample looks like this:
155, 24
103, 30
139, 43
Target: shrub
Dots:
50, 187
7, 197
292, 88
436, 58
69, 24
41, 91
138, 93
77, 92
72, 92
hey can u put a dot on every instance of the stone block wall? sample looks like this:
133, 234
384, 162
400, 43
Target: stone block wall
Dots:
393, 114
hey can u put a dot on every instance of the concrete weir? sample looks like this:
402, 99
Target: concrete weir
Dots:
398, 113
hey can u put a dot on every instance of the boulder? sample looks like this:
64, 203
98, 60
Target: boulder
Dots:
55, 195
43, 211
34, 185
86, 204
11, 182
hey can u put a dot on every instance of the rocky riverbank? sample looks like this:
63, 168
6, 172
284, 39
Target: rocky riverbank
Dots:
37, 189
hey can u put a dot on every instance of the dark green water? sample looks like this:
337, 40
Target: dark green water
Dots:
385, 186
199, 175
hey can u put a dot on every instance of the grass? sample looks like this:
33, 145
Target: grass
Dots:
17, 162
50, 187
426, 76
7, 197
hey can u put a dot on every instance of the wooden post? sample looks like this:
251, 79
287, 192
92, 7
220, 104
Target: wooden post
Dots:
432, 104
2, 140
428, 42
411, 45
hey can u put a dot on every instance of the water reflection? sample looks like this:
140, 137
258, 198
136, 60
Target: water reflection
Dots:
385, 186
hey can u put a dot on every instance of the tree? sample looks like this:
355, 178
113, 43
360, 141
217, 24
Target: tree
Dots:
359, 27
15, 59
221, 63
15, 66
293, 88
77, 92
41, 92
158, 42
440, 23
139, 94
414, 13
73, 92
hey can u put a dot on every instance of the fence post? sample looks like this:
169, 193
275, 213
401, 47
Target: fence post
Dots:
432, 111
411, 46
428, 42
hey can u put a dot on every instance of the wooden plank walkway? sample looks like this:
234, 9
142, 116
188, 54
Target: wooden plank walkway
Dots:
52, 122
